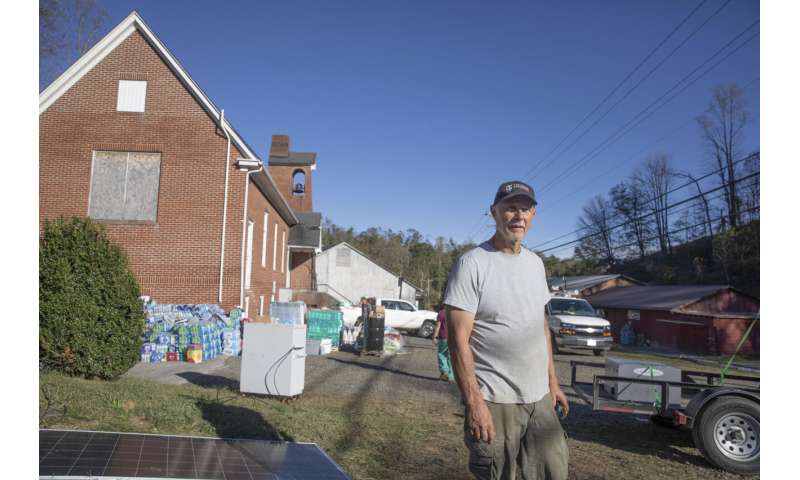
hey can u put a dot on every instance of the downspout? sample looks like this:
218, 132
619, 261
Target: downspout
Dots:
224, 205
244, 230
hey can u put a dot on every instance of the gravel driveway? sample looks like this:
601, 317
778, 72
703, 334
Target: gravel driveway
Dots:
602, 445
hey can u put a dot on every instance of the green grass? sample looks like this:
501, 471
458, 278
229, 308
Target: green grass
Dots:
376, 439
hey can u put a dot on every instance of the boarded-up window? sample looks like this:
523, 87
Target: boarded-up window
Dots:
131, 95
124, 186
343, 257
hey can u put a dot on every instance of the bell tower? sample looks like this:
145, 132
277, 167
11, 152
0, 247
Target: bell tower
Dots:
292, 173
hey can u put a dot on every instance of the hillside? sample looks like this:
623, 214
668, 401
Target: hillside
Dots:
730, 258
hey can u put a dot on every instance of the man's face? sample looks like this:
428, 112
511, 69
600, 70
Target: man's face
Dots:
513, 218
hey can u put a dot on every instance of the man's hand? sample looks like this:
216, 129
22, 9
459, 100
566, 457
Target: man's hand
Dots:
560, 398
480, 422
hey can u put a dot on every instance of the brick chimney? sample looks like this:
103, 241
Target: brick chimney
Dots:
280, 146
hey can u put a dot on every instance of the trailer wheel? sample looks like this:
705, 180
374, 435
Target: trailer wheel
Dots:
728, 434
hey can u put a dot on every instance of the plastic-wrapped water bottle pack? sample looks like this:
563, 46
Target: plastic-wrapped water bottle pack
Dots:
173, 329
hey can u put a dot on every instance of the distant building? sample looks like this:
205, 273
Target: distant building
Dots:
586, 285
346, 273
703, 319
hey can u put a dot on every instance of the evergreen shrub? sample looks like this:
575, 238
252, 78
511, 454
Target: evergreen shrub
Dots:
90, 316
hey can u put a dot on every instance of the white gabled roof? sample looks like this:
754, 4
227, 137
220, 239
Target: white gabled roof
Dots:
345, 244
107, 44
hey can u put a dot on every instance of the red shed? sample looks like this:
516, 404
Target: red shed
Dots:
703, 319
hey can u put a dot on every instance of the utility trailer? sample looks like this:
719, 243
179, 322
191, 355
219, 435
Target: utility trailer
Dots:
724, 418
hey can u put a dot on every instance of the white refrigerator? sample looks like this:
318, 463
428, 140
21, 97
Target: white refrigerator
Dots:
273, 359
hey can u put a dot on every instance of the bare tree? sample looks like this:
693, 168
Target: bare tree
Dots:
596, 222
50, 40
655, 180
722, 127
628, 202
751, 189
67, 30
703, 200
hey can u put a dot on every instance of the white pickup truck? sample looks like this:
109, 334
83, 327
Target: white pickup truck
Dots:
575, 324
400, 314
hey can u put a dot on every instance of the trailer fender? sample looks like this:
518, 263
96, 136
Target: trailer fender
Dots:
702, 399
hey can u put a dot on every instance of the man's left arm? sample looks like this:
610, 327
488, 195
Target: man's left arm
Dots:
555, 388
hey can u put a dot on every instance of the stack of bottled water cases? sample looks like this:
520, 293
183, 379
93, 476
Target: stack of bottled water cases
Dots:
174, 327
231, 341
287, 313
325, 324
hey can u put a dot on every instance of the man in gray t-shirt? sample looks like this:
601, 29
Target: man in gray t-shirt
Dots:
500, 347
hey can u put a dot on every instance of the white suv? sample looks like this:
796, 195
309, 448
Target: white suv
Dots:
400, 314
575, 324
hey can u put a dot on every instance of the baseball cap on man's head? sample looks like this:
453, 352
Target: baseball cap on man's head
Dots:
514, 188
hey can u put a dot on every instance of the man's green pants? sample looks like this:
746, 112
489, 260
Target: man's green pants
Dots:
529, 438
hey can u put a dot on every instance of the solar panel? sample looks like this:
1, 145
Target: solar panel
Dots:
88, 454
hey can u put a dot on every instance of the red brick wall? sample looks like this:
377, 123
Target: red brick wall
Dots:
177, 258
283, 179
263, 276
302, 270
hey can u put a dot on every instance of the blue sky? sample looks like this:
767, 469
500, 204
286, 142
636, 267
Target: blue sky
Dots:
418, 110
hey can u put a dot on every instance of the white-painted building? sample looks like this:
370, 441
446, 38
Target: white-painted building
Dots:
348, 274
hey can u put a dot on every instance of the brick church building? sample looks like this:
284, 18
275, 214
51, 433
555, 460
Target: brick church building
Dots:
128, 139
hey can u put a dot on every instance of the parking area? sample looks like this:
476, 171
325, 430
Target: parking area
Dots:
602, 445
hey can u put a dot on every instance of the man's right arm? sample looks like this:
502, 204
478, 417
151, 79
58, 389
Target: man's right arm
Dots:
460, 323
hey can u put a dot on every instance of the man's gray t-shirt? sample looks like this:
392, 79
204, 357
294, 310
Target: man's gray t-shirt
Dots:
507, 293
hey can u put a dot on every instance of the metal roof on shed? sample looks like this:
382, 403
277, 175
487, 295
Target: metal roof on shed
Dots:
654, 297
581, 282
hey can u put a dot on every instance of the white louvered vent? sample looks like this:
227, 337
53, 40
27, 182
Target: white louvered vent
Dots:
130, 95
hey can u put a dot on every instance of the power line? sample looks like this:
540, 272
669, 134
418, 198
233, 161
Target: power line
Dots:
622, 131
721, 217
642, 80
710, 199
619, 165
616, 136
628, 222
665, 194
625, 130
650, 239
477, 229
619, 85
